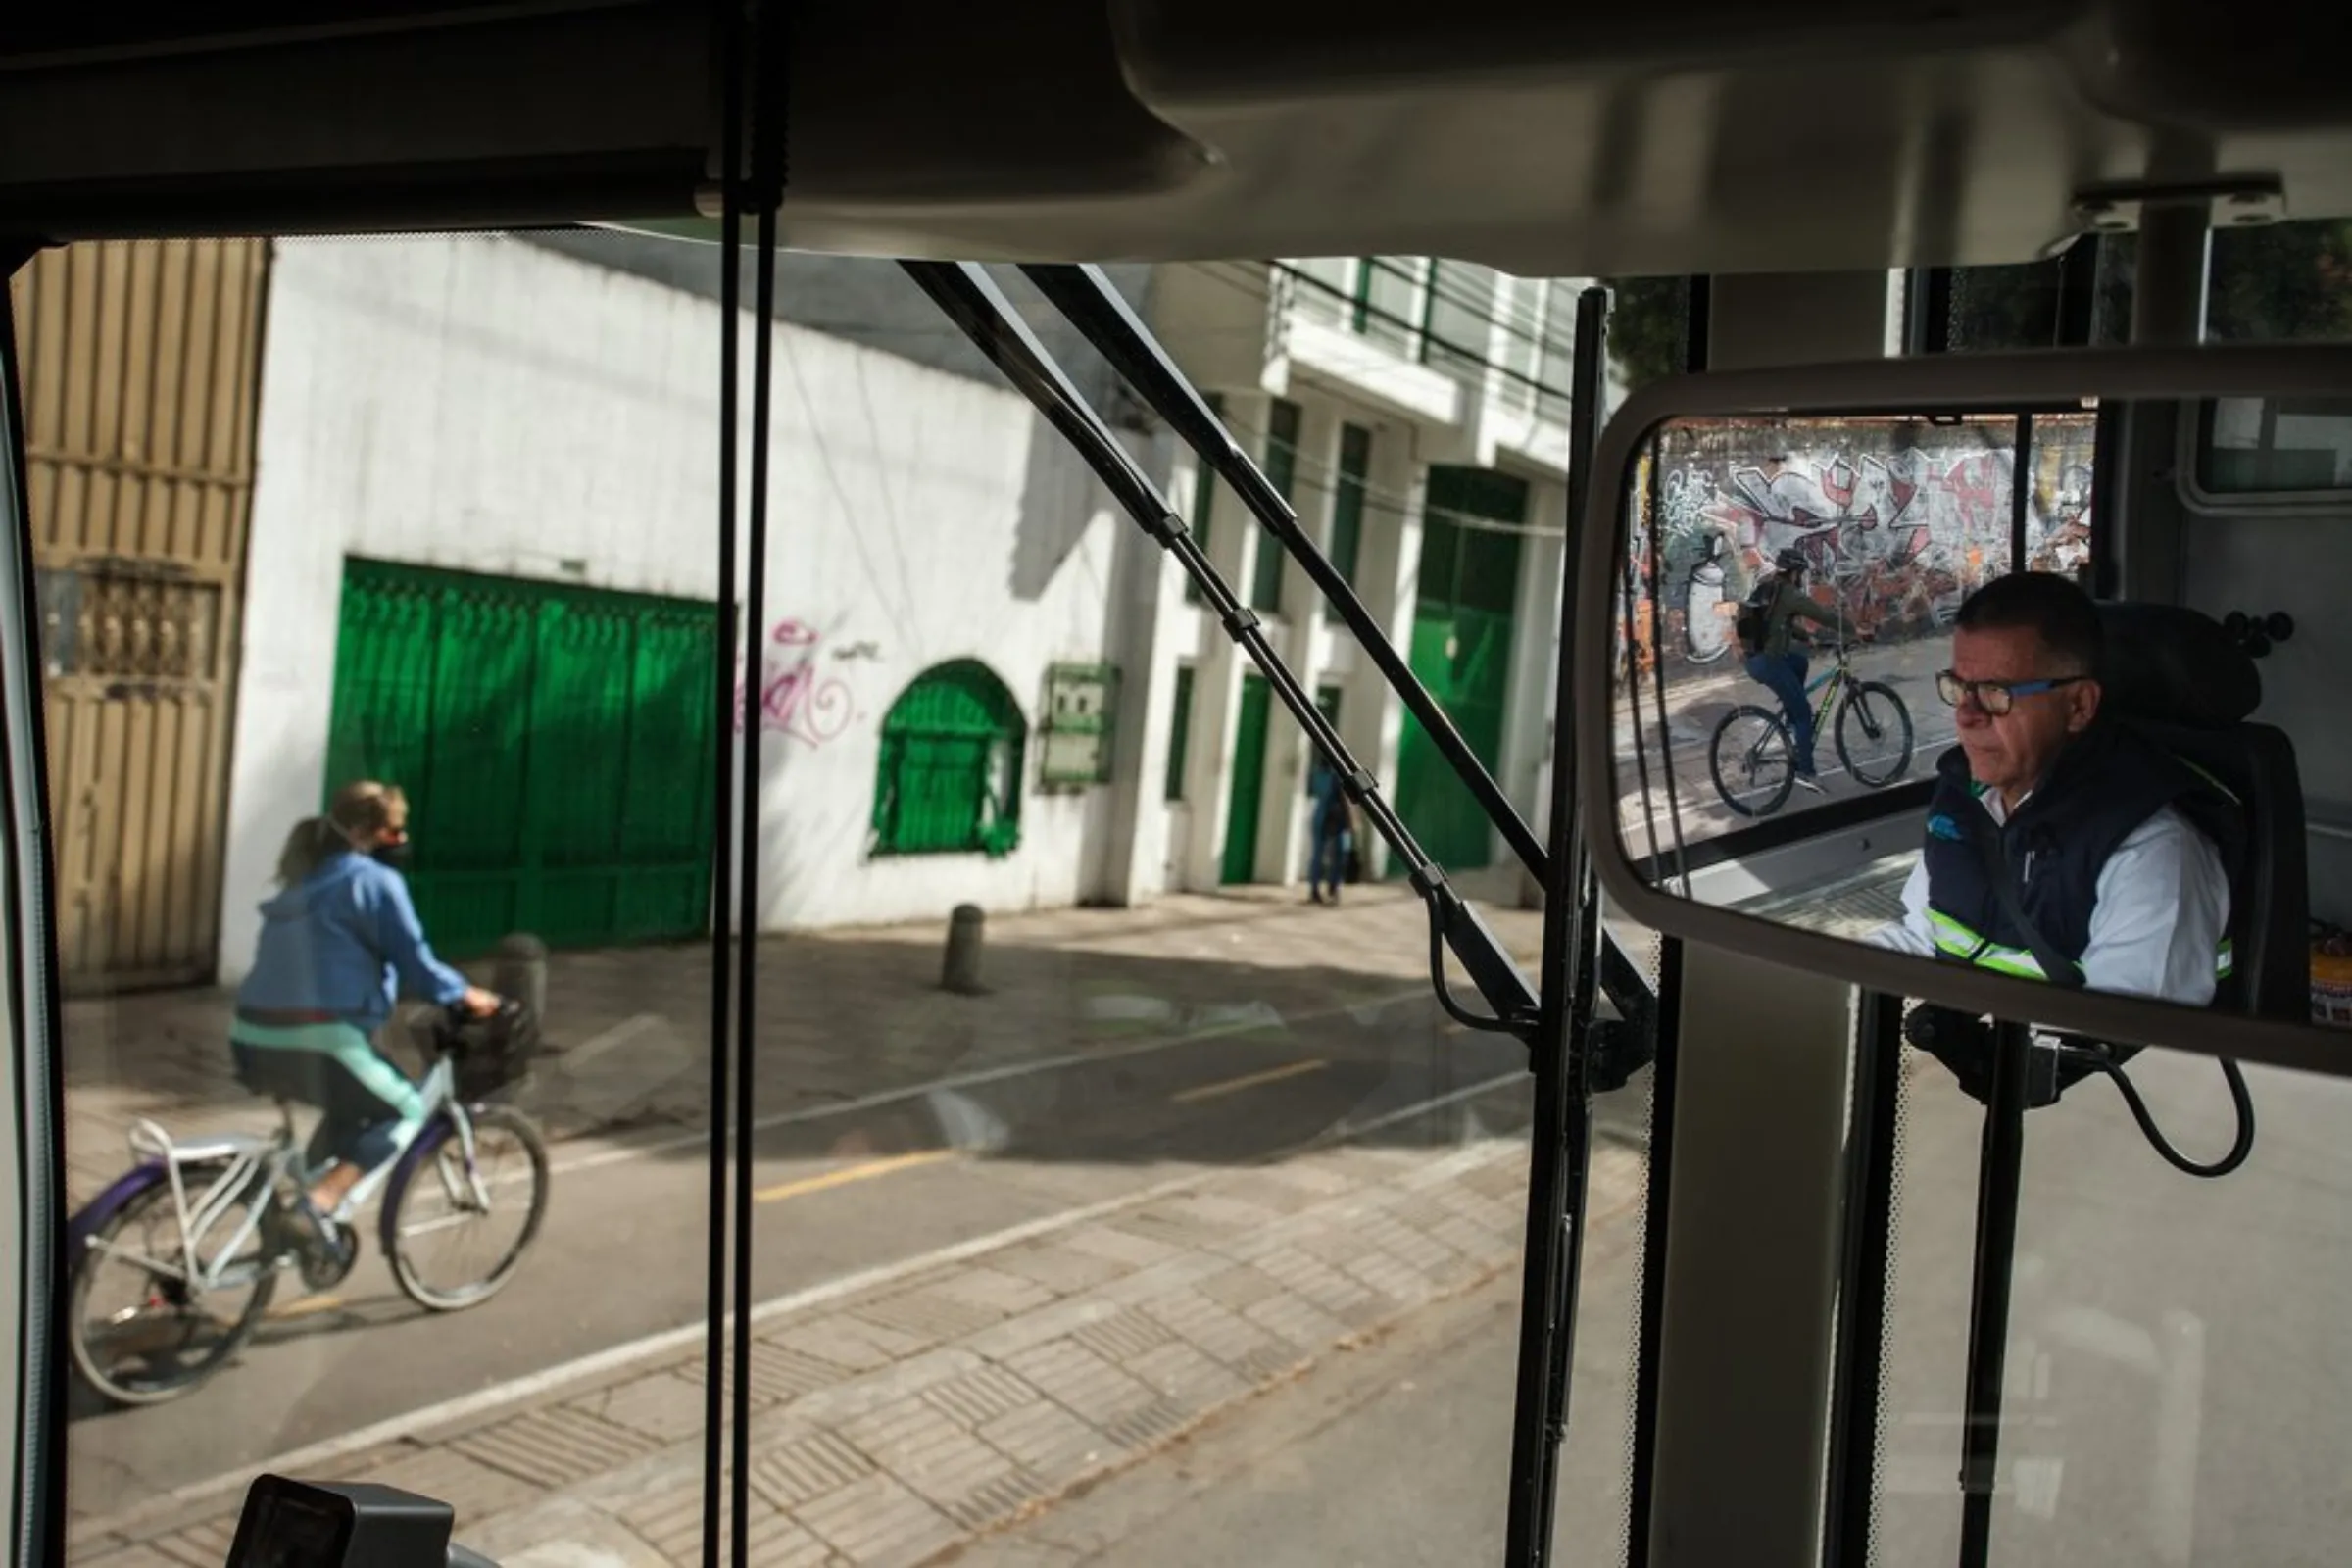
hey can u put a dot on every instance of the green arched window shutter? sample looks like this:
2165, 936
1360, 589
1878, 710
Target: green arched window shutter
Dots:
951, 769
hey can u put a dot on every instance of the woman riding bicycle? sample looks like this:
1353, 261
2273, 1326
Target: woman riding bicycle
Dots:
338, 947
1778, 659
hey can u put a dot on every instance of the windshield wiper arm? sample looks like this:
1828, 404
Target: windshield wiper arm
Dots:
1086, 297
979, 309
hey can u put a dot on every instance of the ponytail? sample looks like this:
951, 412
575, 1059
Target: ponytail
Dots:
308, 847
364, 806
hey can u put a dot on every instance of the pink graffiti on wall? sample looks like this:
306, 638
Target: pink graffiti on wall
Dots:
795, 701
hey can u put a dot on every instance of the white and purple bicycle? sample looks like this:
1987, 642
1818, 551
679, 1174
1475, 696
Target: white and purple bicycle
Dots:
174, 1264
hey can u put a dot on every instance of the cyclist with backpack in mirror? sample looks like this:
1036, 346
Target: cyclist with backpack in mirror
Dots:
1779, 652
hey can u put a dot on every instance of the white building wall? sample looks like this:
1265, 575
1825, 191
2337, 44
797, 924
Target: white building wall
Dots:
488, 406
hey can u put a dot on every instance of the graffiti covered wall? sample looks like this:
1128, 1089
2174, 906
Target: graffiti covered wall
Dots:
1898, 521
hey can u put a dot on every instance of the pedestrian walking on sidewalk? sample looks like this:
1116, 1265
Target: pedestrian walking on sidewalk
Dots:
1333, 835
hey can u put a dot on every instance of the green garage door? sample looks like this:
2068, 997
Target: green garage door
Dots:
555, 744
1246, 789
1462, 651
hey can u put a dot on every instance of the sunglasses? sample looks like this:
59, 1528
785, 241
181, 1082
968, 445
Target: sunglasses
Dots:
1996, 697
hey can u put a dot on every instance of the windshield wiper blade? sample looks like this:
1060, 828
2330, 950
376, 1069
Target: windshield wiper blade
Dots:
970, 299
1086, 297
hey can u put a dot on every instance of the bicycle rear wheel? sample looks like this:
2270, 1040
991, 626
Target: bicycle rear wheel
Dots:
1874, 734
137, 1331
455, 1228
1750, 762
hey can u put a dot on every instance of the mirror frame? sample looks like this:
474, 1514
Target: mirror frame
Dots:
1866, 388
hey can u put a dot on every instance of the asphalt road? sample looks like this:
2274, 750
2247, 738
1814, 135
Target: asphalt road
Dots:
2181, 1385
623, 1254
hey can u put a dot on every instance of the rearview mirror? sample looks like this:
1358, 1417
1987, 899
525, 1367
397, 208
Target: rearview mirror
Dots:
1811, 728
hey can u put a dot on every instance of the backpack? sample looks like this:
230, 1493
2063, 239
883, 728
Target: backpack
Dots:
1754, 616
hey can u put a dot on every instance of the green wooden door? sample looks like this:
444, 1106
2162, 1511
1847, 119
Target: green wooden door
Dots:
1462, 651
555, 745
1248, 786
951, 766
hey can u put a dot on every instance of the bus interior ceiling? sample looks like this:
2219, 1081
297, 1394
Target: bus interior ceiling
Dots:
1543, 139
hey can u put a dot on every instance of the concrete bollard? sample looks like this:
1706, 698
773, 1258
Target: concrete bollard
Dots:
520, 972
960, 974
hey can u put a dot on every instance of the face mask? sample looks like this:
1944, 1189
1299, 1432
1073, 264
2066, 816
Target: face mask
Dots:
392, 855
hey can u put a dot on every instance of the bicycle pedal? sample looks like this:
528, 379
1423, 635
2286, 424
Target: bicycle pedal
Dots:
323, 1267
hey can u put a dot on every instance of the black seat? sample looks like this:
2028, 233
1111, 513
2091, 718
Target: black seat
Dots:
2174, 675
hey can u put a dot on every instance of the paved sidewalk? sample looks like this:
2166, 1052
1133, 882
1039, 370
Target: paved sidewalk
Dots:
897, 1419
841, 1014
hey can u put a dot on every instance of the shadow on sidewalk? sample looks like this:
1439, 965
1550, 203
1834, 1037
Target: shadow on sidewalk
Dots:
1094, 1029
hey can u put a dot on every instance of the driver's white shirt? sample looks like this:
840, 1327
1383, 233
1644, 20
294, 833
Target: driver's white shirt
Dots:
2162, 909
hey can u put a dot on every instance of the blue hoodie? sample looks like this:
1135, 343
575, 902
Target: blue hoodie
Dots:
345, 941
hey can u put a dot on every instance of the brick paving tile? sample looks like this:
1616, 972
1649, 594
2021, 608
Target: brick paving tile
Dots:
671, 1523
1123, 1336
979, 1397
1122, 1246
1242, 1285
995, 1291
1059, 1268
1047, 1440
663, 1406
1224, 1334
123, 1556
1183, 1375
1081, 1381
1298, 1322
204, 1546
847, 1342
879, 1522
806, 1468
555, 1446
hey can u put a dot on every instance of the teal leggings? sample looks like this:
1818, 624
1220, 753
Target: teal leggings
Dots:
371, 1106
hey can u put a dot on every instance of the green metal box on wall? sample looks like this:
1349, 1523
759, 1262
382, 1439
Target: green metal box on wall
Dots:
1080, 717
554, 742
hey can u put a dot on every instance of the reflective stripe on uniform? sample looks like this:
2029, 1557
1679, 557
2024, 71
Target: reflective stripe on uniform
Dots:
1958, 941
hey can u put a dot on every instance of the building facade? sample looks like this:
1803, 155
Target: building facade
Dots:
1415, 412
478, 557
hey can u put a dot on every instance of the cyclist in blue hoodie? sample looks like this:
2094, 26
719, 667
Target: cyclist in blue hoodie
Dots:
338, 947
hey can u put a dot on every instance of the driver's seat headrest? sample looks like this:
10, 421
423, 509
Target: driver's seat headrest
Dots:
2170, 664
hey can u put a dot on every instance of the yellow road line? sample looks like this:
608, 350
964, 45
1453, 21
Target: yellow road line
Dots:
1236, 1085
854, 1173
306, 1306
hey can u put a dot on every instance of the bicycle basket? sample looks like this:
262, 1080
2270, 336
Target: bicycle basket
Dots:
490, 1053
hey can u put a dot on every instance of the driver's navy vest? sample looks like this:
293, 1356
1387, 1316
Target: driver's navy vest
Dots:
2102, 788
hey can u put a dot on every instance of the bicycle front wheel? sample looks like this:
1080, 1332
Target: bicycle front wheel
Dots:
138, 1331
1751, 762
1874, 734
456, 1228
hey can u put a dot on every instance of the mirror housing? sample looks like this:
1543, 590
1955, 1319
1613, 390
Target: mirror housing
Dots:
1944, 385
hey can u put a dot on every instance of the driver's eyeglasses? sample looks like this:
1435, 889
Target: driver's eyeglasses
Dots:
1996, 697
